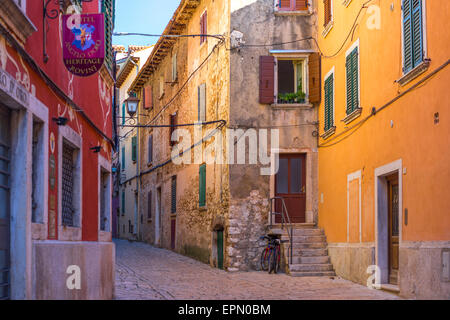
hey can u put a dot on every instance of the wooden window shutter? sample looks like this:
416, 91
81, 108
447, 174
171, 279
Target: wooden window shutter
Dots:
266, 79
149, 205
327, 12
108, 11
173, 205
150, 148
148, 97
329, 88
407, 36
123, 113
314, 78
174, 68
417, 32
284, 5
203, 27
301, 5
202, 186
123, 158
202, 102
134, 148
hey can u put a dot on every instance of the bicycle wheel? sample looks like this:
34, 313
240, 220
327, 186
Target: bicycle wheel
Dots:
278, 260
273, 260
265, 259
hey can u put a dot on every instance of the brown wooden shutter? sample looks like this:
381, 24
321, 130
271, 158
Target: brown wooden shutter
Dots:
301, 5
285, 5
148, 97
314, 78
149, 205
327, 12
266, 79
173, 122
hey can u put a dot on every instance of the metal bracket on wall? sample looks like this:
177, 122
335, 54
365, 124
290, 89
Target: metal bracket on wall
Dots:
52, 14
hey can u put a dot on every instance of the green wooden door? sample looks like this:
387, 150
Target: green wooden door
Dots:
220, 249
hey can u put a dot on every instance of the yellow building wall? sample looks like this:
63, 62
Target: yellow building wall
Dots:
404, 130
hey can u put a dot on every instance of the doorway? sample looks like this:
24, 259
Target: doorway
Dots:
5, 144
158, 218
393, 226
290, 184
220, 249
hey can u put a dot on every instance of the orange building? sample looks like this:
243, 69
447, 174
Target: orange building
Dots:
384, 149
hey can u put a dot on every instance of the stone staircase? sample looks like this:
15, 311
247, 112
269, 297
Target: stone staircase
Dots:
310, 253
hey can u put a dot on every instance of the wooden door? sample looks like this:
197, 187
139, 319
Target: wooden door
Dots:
290, 184
393, 202
5, 143
220, 249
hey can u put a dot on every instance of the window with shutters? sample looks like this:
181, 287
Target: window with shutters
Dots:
123, 158
173, 202
134, 148
329, 104
201, 97
327, 16
173, 123
352, 83
202, 186
288, 78
203, 27
148, 97
108, 11
150, 149
413, 34
70, 185
292, 6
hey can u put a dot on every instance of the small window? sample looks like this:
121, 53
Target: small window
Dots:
37, 167
173, 204
202, 102
134, 149
328, 12
352, 80
202, 186
150, 148
173, 123
203, 27
70, 176
148, 97
149, 205
413, 49
161, 87
123, 203
291, 5
291, 75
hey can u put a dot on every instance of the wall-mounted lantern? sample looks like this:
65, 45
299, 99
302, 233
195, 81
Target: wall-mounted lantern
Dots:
132, 104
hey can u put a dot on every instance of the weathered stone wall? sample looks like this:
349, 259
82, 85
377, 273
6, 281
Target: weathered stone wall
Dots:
250, 191
194, 225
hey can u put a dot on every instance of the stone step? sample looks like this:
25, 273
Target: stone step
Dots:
301, 232
313, 274
310, 260
311, 267
306, 239
307, 252
309, 245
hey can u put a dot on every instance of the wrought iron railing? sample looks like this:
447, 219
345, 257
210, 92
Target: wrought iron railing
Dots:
285, 221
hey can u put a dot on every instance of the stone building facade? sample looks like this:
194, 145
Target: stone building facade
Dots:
216, 211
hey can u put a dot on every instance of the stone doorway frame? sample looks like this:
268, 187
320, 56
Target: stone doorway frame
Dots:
381, 216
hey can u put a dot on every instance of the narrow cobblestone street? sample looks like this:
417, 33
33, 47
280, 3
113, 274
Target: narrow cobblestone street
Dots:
145, 272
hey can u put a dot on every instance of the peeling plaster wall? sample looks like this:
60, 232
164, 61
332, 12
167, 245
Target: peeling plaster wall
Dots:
249, 190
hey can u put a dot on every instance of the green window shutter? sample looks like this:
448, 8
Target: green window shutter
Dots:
108, 11
123, 114
134, 148
202, 186
417, 32
123, 201
123, 158
407, 36
173, 205
352, 81
329, 87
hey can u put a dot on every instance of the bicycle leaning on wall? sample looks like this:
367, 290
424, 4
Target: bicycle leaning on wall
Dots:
271, 255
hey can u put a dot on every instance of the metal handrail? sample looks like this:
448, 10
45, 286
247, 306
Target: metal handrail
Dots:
285, 219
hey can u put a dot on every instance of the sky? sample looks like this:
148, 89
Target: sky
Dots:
142, 16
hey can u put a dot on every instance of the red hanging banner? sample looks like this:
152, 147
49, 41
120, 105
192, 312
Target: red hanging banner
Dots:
83, 43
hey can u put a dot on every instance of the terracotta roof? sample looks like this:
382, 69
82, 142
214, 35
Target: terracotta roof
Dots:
175, 26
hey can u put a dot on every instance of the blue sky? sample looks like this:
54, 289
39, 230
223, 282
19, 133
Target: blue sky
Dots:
143, 16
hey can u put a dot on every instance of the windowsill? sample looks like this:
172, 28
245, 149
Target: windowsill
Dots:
173, 215
352, 116
20, 23
414, 73
291, 105
328, 133
204, 208
292, 13
328, 28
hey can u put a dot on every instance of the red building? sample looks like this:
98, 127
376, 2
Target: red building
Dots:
55, 158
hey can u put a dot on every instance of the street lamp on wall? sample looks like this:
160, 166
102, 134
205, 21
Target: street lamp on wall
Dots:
132, 104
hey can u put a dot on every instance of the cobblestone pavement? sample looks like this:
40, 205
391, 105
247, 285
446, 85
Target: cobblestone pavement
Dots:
145, 272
